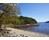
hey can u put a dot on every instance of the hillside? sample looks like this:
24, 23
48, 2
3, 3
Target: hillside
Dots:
17, 21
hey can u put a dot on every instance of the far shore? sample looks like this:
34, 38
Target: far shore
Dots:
26, 25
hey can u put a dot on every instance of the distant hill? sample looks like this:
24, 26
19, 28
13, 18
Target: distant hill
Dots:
47, 21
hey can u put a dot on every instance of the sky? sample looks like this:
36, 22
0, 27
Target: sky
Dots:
38, 11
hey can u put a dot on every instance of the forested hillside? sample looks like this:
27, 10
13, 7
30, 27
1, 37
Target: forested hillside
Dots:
9, 15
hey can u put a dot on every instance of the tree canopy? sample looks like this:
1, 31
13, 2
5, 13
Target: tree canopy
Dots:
27, 20
8, 12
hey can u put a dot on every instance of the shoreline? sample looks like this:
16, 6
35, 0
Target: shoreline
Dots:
25, 26
20, 32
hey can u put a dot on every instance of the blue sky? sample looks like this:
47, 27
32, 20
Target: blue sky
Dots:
38, 11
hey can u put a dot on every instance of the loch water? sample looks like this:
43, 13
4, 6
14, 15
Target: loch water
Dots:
42, 28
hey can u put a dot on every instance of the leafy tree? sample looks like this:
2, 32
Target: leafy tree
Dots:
8, 9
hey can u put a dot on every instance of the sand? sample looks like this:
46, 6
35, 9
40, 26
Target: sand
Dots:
23, 33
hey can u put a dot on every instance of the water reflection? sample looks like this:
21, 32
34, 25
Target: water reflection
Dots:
42, 28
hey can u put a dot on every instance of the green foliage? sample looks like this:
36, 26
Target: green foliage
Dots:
27, 20
9, 13
7, 19
10, 8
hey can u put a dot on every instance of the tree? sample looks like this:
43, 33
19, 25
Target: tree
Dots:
27, 20
8, 9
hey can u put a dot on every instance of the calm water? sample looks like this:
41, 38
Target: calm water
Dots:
42, 28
